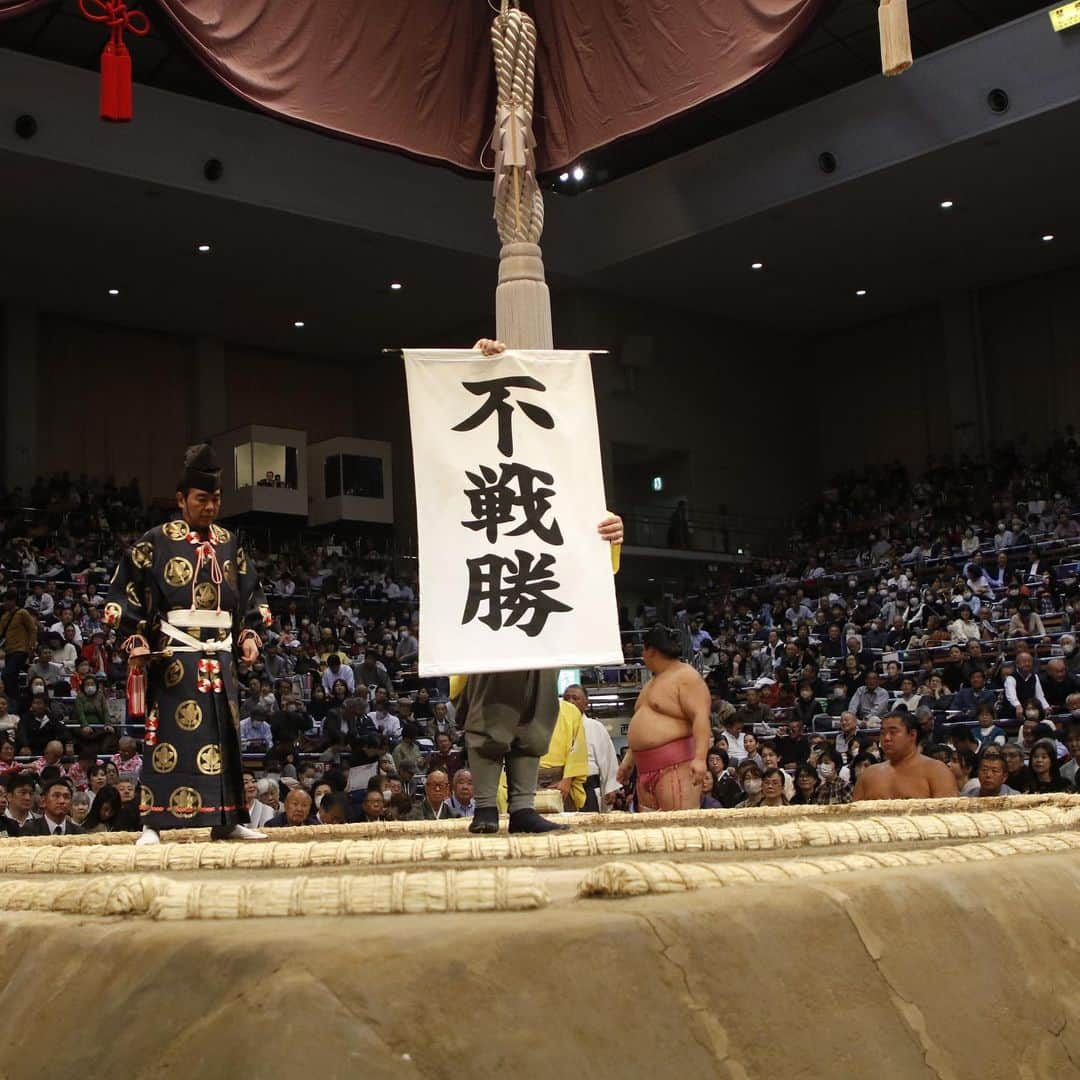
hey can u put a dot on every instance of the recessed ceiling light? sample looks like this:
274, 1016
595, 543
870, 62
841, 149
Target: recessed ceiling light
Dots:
579, 173
860, 292
203, 249
757, 266
1047, 237
114, 292
396, 286
946, 204
299, 324
563, 177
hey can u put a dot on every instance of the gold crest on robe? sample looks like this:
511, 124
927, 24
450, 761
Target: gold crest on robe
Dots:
188, 715
165, 757
174, 674
178, 571
206, 595
185, 802
142, 554
176, 529
209, 759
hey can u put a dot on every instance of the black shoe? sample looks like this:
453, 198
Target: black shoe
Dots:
529, 821
485, 820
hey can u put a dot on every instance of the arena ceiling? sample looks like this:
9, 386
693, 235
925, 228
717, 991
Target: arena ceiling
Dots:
841, 50
885, 233
72, 233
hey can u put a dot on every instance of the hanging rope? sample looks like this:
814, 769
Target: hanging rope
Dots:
519, 205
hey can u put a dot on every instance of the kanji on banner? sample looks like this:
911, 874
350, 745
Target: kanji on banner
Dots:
509, 492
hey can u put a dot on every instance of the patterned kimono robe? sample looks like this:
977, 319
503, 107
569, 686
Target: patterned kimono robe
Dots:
191, 772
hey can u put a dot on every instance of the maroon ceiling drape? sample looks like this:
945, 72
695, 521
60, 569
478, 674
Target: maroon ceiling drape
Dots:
11, 8
416, 75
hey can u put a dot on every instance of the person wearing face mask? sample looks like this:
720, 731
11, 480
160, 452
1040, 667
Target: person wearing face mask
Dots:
876, 637
389, 660
1071, 654
806, 705
90, 705
832, 790
765, 789
748, 776
408, 649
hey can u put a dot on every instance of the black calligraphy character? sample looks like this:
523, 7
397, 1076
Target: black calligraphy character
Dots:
498, 391
493, 501
512, 589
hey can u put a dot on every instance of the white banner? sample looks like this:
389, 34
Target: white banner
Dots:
509, 492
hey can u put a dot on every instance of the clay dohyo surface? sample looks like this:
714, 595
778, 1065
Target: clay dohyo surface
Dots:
964, 967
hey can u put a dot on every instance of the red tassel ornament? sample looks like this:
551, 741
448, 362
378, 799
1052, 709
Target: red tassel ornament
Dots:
136, 691
115, 58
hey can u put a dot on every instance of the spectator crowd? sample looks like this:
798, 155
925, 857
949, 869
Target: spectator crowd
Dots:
951, 597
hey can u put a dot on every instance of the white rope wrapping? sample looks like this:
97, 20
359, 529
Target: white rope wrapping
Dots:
519, 205
771, 815
400, 892
790, 836
619, 879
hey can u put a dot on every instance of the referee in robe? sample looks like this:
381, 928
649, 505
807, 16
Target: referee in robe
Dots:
188, 587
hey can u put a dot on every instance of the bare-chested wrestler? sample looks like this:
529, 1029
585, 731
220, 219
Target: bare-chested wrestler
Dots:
669, 734
907, 773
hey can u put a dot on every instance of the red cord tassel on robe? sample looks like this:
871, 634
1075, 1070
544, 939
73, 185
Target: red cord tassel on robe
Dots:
115, 58
136, 691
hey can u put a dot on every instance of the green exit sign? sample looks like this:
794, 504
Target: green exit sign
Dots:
658, 483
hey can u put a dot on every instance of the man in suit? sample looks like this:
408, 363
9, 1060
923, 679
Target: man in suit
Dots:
21, 787
56, 810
